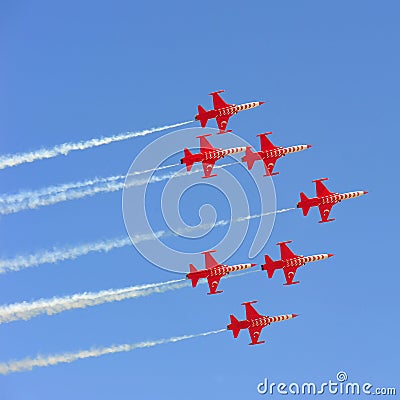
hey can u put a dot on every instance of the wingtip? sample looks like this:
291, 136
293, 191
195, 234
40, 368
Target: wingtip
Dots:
217, 92
285, 242
320, 180
209, 251
249, 302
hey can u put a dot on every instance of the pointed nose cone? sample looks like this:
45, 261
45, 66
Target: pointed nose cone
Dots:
261, 102
330, 255
253, 265
295, 315
308, 146
365, 192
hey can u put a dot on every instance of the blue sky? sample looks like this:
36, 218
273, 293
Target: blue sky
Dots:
71, 71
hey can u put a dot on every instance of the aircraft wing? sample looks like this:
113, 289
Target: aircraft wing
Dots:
265, 143
255, 333
251, 312
269, 165
218, 101
289, 272
205, 144
222, 122
321, 190
213, 282
324, 210
208, 167
285, 251
209, 261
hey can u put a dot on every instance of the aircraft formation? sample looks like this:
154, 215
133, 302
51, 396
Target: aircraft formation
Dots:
213, 271
289, 261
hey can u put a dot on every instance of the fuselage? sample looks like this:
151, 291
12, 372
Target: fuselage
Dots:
261, 321
297, 261
211, 155
230, 110
282, 151
333, 198
218, 270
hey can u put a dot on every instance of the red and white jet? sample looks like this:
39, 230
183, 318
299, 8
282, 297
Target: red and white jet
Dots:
254, 322
208, 155
222, 111
270, 153
289, 262
213, 272
324, 200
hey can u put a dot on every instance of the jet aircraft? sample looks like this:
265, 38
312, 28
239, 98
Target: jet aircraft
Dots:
254, 322
213, 271
222, 111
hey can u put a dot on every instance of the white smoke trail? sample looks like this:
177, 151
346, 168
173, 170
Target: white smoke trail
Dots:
41, 201
152, 169
29, 195
27, 310
12, 160
28, 364
34, 195
56, 255
69, 253
10, 204
55, 305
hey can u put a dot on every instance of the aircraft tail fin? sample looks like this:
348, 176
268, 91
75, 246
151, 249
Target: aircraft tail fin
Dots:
234, 326
269, 266
304, 204
192, 268
201, 116
188, 159
201, 109
193, 278
250, 157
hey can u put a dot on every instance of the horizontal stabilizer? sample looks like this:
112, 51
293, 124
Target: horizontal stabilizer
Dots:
304, 204
188, 159
270, 268
202, 116
234, 326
